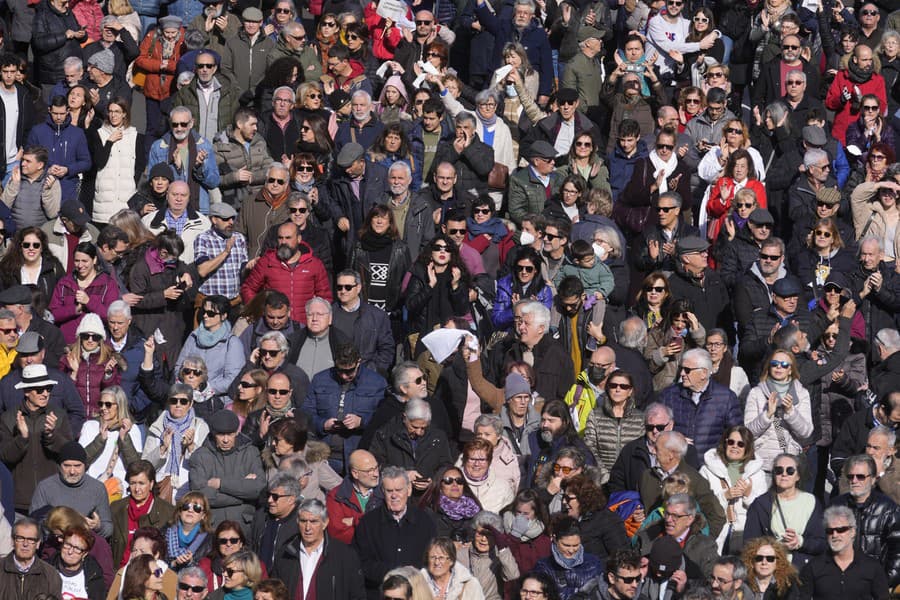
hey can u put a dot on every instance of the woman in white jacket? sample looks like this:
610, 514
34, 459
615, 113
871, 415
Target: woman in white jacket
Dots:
119, 159
736, 478
778, 410
447, 578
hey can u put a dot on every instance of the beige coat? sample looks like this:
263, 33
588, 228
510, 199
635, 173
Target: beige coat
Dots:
865, 205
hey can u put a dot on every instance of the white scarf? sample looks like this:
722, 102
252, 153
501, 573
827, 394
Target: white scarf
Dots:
667, 166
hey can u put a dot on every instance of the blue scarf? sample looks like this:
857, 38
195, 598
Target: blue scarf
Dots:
492, 226
179, 543
568, 563
243, 593
173, 462
207, 339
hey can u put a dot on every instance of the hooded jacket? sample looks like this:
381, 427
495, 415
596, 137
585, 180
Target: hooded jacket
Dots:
67, 147
715, 471
224, 358
102, 292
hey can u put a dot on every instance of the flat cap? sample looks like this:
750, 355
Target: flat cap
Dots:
252, 14
760, 216
814, 135
223, 210
349, 154
16, 294
170, 22
829, 195
586, 32
30, 342
787, 286
223, 421
542, 149
690, 245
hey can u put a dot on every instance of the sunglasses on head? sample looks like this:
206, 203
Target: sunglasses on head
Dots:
179, 401
738, 443
784, 470
764, 557
186, 587
452, 480
94, 337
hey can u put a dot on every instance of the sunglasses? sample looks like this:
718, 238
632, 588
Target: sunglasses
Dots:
421, 22
567, 102
230, 572
9, 331
770, 257
857, 476
189, 371
248, 384
106, 404
821, 204
346, 287
878, 157
452, 480
481, 211
179, 401
181, 125
353, 36
440, 248
329, 24
277, 497
658, 428
305, 128
584, 145
794, 82
439, 55
272, 353
211, 313
764, 558
232, 540
186, 587
525, 268
41, 389
275, 180
824, 234
562, 469
305, 169
834, 530
278, 391
868, 13
714, 75
655, 288
692, 100
784, 470
790, 47
314, 95
665, 147
870, 108
30, 245
626, 387
456, 231
743, 204
193, 506
94, 337
736, 131
420, 380
346, 370
665, 209
779, 363
738, 443
206, 65
157, 572
300, 210
283, 11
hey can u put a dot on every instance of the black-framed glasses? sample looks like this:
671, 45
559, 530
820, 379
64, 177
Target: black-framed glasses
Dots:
278, 391
665, 209
481, 211
769, 257
452, 480
106, 404
790, 47
423, 22
834, 530
344, 287
299, 210
440, 248
233, 541
870, 108
551, 236
93, 337
456, 231
211, 313
230, 572
186, 587
21, 539
190, 371
784, 470
824, 234
179, 401
31, 245
525, 268
271, 353
193, 506
277, 497
659, 289
628, 580
625, 387
40, 389
306, 169
657, 428
857, 476
770, 558
206, 65
275, 180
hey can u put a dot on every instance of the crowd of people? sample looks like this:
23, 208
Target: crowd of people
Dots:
449, 300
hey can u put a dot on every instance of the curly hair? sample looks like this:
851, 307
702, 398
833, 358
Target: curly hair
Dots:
785, 573
590, 497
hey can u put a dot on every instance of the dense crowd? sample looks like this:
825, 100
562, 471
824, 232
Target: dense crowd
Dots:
449, 300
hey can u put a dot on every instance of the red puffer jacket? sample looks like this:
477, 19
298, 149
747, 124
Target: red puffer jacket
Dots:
92, 377
299, 282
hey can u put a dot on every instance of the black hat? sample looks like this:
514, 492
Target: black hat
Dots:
761, 216
567, 95
72, 451
74, 211
338, 99
162, 170
16, 294
665, 557
835, 280
223, 421
787, 286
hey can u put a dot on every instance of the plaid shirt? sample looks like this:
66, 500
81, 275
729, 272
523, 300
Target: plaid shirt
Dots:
226, 280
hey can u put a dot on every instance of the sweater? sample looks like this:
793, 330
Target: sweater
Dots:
87, 496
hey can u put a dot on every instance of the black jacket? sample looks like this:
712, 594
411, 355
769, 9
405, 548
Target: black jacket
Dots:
755, 336
343, 202
48, 40
644, 263
603, 533
712, 304
737, 255
391, 407
885, 377
28, 117
877, 530
371, 335
429, 306
400, 263
854, 434
769, 86
93, 575
472, 166
822, 579
878, 308
554, 373
339, 575
392, 446
759, 523
285, 531
633, 460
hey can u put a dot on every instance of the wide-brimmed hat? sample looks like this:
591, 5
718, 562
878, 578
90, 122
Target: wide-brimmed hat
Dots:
34, 376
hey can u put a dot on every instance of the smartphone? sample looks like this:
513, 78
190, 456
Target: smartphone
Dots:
677, 339
181, 285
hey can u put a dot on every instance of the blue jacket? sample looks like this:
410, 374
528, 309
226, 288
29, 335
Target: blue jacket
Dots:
68, 147
621, 167
534, 38
206, 175
705, 422
133, 353
570, 580
361, 398
502, 315
186, 9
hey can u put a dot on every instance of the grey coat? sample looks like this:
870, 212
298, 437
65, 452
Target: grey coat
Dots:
231, 157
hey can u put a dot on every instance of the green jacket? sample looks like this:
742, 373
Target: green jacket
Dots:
229, 94
231, 157
246, 64
583, 74
308, 57
527, 194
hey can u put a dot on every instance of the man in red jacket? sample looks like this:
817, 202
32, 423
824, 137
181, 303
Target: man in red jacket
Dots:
291, 269
849, 86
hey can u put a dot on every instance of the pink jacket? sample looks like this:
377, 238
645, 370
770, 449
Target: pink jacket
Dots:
102, 292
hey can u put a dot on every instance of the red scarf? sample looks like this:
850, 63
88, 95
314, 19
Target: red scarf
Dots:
135, 513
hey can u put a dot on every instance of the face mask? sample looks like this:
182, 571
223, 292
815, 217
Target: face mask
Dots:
526, 238
596, 374
600, 251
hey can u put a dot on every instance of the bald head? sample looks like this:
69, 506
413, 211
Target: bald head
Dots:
604, 355
362, 459
279, 380
177, 197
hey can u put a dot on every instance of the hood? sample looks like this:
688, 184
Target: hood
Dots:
58, 128
356, 69
396, 82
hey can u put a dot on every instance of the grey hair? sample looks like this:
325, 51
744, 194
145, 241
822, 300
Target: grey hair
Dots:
314, 506
298, 197
290, 484
5, 314
180, 109
683, 500
797, 72
195, 572
888, 34
861, 459
738, 570
278, 167
674, 197
465, 118
292, 28
294, 465
401, 165
814, 155
490, 420
362, 94
887, 338
701, 356
656, 408
73, 61
350, 273
541, 313
119, 307
611, 237
320, 300
196, 362
417, 409
833, 513
674, 441
394, 472
633, 333
887, 432
398, 374
274, 336
285, 88
773, 241
487, 518
870, 239
490, 93
527, 3
181, 388
778, 110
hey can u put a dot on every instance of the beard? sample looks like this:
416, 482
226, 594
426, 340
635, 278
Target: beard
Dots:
399, 190
284, 252
181, 135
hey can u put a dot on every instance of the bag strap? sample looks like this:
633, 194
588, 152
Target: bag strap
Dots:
867, 225
780, 512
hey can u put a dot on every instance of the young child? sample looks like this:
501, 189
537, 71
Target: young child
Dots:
596, 277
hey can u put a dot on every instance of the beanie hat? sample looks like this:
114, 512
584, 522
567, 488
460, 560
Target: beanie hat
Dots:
91, 323
515, 385
72, 451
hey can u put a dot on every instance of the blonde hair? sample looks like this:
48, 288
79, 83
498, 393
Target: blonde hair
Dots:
420, 589
130, 222
249, 563
120, 8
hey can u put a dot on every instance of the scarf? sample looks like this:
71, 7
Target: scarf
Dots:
184, 174
487, 123
275, 201
856, 74
568, 563
493, 227
668, 166
181, 543
278, 413
457, 510
135, 513
243, 593
535, 528
155, 263
173, 462
372, 242
207, 339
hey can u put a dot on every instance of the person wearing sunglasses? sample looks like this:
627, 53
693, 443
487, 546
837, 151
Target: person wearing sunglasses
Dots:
282, 13
736, 478
870, 128
278, 406
193, 582
242, 572
212, 341
357, 320
228, 539
438, 288
615, 421
825, 253
571, 117
291, 42
669, 30
225, 92
774, 84
621, 581
848, 88
770, 574
526, 281
144, 579
188, 536
451, 503
91, 362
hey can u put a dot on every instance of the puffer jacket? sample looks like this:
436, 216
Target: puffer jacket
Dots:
119, 166
224, 359
570, 580
877, 530
715, 472
307, 278
91, 379
237, 494
161, 76
704, 422
49, 42
606, 434
102, 292
502, 315
231, 157
798, 423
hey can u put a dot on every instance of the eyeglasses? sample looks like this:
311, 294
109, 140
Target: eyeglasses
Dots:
857, 476
438, 559
770, 257
738, 443
790, 47
299, 210
744, 204
9, 331
306, 169
476, 459
186, 587
584, 144
689, 370
211, 313
94, 337
192, 506
248, 384
157, 572
344, 287
825, 234
487, 104
422, 22
779, 363
29, 245
770, 558
525, 268
675, 3
452, 480
714, 75
665, 146
73, 548
657, 428
821, 204
626, 387
834, 530
659, 289
868, 13
872, 157
206, 65
180, 124
784, 470
551, 236
192, 372
795, 82
283, 11
271, 353
692, 100
106, 404
699, 19
278, 391
481, 211
277, 497
531, 593
456, 231
21, 539
179, 401
275, 180
353, 36
675, 516
562, 469
231, 540
420, 380
230, 572
665, 209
